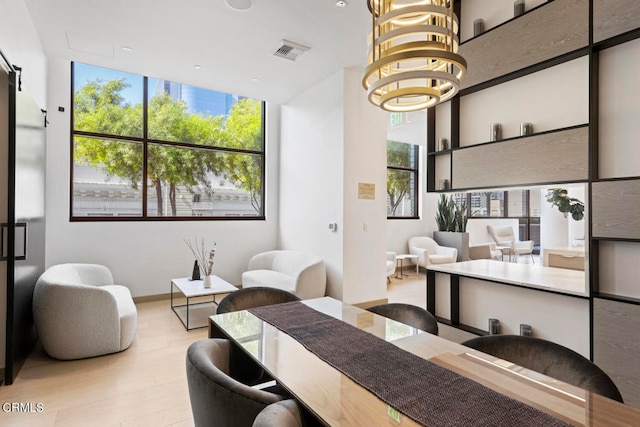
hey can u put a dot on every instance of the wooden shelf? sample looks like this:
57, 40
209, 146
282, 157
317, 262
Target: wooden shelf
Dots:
618, 298
614, 17
524, 160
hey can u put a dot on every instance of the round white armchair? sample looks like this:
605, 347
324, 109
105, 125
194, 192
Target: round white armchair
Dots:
79, 312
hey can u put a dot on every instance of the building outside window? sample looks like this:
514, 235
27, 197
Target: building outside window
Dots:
155, 149
488, 203
506, 204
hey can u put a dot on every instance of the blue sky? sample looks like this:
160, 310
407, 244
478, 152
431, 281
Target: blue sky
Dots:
86, 73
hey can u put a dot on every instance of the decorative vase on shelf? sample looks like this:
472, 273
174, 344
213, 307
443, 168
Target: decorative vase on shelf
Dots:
208, 280
195, 274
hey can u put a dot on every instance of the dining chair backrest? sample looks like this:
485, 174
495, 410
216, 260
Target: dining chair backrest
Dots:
258, 296
550, 359
286, 413
408, 314
217, 398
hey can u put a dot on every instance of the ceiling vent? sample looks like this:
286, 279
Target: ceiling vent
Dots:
290, 50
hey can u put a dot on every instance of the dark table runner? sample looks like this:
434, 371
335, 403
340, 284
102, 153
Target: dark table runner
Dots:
427, 393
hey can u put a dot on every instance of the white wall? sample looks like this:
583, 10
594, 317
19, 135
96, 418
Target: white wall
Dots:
311, 176
333, 139
145, 255
365, 161
619, 268
19, 42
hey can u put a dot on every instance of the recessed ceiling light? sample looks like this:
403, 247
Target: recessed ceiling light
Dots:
240, 5
197, 67
127, 49
341, 3
255, 80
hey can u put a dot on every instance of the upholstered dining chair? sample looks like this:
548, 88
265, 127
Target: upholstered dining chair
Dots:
285, 413
243, 299
217, 397
408, 314
506, 241
550, 359
259, 296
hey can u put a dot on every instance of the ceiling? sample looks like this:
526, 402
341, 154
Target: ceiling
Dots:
169, 37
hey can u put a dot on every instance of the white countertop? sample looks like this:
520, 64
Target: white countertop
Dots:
560, 280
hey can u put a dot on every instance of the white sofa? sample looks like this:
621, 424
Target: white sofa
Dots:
429, 252
297, 272
79, 312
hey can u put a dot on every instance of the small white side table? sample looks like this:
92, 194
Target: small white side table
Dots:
400, 266
193, 289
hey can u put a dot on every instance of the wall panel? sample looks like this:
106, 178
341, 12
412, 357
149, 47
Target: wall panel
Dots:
615, 209
545, 158
614, 17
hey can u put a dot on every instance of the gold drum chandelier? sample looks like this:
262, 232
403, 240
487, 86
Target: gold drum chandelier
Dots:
413, 60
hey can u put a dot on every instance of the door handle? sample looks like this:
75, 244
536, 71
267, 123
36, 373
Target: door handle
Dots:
4, 255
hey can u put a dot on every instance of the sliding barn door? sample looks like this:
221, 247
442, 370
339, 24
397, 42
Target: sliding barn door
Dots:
25, 226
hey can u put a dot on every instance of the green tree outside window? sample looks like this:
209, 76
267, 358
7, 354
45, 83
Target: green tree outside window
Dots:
100, 108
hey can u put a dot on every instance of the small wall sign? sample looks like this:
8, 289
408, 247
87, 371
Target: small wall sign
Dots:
366, 191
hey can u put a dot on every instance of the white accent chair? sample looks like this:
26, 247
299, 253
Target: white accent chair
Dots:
300, 273
429, 252
79, 312
391, 265
506, 241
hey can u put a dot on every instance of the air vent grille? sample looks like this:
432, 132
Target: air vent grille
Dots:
290, 50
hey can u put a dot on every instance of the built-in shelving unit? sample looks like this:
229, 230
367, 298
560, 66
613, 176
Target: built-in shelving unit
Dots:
601, 38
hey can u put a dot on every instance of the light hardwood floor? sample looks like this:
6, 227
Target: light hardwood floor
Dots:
142, 386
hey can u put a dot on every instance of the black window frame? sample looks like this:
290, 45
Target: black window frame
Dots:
146, 142
416, 175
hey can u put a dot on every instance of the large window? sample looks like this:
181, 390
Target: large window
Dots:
488, 203
506, 204
155, 149
402, 180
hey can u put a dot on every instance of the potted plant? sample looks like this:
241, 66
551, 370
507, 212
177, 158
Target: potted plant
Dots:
452, 226
567, 205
